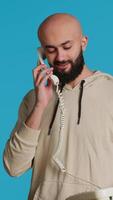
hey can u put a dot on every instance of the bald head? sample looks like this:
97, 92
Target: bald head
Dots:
60, 23
63, 45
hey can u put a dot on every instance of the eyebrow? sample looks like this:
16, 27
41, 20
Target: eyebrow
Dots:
64, 43
68, 41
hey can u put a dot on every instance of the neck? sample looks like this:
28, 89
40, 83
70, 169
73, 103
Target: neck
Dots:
85, 73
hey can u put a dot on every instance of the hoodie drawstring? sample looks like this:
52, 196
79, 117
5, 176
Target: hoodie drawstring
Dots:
53, 117
79, 107
80, 100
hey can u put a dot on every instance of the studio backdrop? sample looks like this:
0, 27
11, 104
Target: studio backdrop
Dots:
19, 20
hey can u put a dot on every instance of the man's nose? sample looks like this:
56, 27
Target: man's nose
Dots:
61, 56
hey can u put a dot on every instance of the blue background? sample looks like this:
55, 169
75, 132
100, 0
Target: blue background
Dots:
19, 20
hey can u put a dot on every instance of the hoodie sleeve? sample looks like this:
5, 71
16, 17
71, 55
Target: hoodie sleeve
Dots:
20, 148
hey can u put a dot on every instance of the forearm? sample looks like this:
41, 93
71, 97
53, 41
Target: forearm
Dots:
20, 150
34, 119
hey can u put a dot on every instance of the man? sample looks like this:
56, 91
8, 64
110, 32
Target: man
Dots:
79, 157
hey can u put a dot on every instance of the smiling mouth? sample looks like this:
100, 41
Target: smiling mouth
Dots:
62, 66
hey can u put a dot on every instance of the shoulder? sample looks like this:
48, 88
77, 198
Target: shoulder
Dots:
102, 79
107, 80
103, 86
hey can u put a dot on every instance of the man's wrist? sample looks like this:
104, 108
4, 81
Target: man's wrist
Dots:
39, 106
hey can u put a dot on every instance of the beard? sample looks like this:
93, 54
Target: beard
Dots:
75, 70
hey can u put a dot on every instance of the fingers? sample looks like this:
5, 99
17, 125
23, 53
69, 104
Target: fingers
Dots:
43, 81
41, 74
38, 69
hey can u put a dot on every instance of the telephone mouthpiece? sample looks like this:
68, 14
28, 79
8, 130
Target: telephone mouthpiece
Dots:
55, 79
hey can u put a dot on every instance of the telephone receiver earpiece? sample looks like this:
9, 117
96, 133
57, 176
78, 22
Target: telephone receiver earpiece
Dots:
41, 56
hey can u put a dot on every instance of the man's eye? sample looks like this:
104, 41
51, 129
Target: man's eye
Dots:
66, 48
51, 50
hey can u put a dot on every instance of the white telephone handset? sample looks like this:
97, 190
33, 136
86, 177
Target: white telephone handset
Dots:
55, 80
41, 56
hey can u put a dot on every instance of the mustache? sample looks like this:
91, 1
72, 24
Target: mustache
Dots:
62, 62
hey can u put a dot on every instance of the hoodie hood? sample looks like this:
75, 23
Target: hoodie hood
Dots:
89, 80
86, 82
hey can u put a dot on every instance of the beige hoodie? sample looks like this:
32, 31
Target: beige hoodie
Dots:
71, 160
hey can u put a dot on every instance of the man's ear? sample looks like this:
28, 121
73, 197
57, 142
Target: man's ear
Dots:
84, 42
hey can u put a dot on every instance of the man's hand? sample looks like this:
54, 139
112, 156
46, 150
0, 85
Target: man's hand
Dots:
43, 85
44, 91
